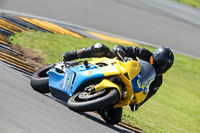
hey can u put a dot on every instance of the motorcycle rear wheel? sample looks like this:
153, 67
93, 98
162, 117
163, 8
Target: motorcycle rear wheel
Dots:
111, 115
40, 80
106, 98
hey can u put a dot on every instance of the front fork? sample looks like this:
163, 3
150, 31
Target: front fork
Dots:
105, 83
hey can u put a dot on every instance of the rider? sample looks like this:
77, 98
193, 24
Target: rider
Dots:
161, 59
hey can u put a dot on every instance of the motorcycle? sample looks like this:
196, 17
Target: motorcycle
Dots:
101, 84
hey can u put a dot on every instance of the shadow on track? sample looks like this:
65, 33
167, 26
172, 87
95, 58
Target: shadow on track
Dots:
91, 116
117, 128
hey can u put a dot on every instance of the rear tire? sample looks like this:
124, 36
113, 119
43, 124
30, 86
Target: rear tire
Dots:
105, 99
40, 80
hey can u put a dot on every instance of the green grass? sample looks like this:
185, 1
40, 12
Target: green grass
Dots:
174, 109
194, 3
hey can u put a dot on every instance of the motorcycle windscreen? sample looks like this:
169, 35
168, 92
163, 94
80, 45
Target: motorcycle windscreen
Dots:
56, 79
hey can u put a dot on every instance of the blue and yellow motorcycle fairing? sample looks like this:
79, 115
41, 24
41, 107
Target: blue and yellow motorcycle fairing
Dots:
100, 83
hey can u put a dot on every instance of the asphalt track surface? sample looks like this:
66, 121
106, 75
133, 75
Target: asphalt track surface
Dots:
23, 110
136, 19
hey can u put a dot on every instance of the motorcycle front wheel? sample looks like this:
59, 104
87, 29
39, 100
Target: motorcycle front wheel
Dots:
82, 101
40, 80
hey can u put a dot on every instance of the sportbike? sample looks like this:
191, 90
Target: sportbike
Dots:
97, 85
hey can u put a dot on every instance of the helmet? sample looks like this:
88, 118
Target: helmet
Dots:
162, 59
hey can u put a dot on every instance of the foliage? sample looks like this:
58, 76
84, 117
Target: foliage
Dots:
194, 3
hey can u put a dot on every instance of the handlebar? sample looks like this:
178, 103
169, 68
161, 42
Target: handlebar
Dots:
74, 63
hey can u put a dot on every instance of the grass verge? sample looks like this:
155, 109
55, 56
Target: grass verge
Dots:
194, 3
176, 106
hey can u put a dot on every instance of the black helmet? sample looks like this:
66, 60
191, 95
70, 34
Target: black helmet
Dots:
163, 59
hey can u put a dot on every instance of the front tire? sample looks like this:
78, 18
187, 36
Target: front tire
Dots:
40, 80
107, 98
